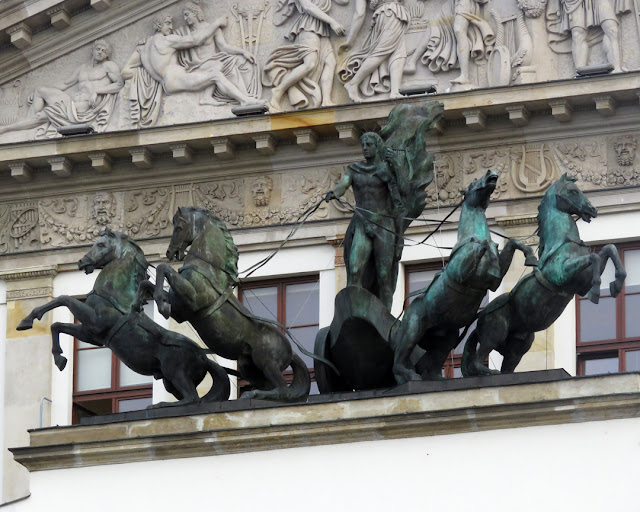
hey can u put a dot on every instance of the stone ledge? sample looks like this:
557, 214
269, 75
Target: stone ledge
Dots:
334, 422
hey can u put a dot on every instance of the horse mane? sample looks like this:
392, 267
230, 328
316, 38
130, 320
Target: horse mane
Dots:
231, 251
138, 252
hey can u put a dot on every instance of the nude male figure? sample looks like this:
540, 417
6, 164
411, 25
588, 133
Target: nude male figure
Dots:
158, 56
377, 194
101, 77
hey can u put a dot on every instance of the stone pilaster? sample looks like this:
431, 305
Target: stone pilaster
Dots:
28, 367
541, 356
340, 268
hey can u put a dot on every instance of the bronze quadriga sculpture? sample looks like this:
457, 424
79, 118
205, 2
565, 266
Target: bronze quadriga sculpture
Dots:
566, 267
106, 319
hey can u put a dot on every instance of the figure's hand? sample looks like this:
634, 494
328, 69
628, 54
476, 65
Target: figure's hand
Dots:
345, 47
390, 156
249, 56
329, 196
338, 28
142, 42
94, 99
222, 21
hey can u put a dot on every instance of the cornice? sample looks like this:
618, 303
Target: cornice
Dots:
90, 25
28, 273
335, 422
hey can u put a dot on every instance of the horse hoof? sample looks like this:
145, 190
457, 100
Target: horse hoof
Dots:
531, 261
27, 323
61, 362
594, 296
165, 310
614, 288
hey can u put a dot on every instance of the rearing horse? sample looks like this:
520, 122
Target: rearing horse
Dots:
509, 323
106, 320
433, 320
201, 293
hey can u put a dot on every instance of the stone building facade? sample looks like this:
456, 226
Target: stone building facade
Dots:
160, 83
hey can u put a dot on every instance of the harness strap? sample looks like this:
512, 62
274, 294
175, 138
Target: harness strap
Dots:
548, 284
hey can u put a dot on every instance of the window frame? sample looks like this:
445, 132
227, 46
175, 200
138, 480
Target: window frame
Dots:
598, 349
281, 284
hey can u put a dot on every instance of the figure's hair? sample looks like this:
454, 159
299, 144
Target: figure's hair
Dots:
626, 138
373, 136
104, 44
157, 22
195, 9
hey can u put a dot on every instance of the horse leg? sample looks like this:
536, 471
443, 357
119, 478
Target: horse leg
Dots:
181, 286
491, 332
272, 373
145, 288
436, 356
410, 332
506, 255
574, 265
83, 313
610, 251
516, 346
182, 388
75, 330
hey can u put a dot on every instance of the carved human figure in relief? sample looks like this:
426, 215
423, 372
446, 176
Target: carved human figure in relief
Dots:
237, 65
304, 69
625, 148
377, 66
373, 231
96, 87
581, 20
444, 188
261, 190
155, 67
448, 44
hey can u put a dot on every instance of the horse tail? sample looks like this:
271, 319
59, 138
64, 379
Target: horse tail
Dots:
221, 387
469, 354
301, 384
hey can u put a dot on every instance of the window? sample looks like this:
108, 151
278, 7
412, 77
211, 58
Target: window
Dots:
608, 333
102, 384
293, 302
418, 277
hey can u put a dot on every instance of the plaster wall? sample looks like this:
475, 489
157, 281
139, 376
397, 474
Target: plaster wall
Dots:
587, 466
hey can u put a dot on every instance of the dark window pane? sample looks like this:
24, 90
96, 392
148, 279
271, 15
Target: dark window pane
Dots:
303, 304
419, 280
602, 365
632, 360
306, 336
262, 301
632, 266
133, 404
632, 315
598, 321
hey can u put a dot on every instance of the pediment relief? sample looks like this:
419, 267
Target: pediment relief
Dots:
167, 62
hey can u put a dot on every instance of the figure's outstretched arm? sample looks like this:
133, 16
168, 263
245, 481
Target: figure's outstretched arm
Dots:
341, 187
222, 44
310, 8
129, 68
71, 81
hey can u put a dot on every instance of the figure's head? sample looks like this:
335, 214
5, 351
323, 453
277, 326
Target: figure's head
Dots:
261, 190
479, 191
104, 208
568, 198
101, 50
192, 12
164, 25
443, 171
625, 148
371, 144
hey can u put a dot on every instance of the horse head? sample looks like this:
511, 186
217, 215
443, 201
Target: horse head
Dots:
479, 191
110, 246
570, 199
183, 233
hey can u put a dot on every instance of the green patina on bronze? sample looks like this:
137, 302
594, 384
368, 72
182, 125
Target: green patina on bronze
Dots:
109, 318
434, 319
566, 267
201, 292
